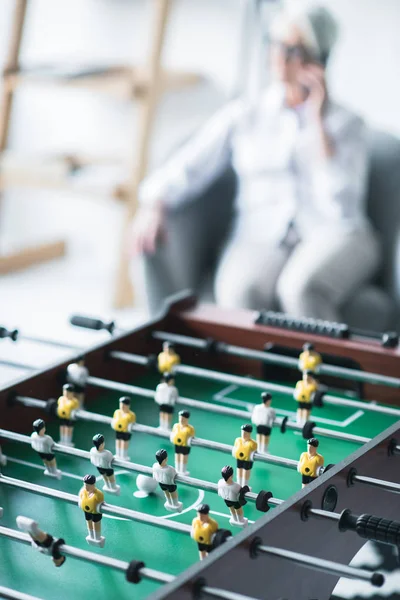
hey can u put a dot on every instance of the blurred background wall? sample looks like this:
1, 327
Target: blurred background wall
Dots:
204, 36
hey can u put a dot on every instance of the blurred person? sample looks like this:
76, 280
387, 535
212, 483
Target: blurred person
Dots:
301, 241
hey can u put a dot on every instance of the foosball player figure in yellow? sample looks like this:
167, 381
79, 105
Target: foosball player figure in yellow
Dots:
309, 360
304, 395
166, 397
168, 358
244, 450
44, 542
263, 417
230, 492
165, 475
102, 459
181, 436
203, 530
43, 445
122, 422
90, 501
66, 405
311, 463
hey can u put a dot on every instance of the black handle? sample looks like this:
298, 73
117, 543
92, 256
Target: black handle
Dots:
371, 527
90, 323
9, 333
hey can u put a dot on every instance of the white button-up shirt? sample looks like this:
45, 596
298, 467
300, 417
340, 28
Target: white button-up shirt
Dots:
283, 178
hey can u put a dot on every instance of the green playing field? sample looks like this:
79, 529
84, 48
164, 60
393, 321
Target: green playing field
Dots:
28, 571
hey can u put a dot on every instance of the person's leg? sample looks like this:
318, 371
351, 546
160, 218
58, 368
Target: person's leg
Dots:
322, 273
247, 274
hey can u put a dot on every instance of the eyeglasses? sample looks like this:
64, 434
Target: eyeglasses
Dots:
292, 52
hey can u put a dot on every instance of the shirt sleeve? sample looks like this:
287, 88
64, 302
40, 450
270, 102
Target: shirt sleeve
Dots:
197, 164
340, 181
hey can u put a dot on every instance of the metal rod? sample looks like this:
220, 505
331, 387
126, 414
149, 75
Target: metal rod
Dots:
200, 442
116, 564
326, 566
323, 514
15, 336
128, 465
339, 435
276, 359
133, 389
282, 389
84, 415
247, 381
10, 594
53, 343
389, 486
224, 594
99, 559
14, 365
234, 412
105, 508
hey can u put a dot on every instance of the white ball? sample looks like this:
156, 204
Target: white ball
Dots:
146, 484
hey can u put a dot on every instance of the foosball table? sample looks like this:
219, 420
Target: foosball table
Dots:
281, 531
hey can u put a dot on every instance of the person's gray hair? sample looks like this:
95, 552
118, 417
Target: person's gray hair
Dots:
318, 27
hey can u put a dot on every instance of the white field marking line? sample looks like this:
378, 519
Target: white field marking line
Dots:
345, 423
221, 396
189, 508
225, 391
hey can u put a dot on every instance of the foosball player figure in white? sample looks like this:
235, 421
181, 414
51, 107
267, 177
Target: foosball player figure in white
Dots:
231, 493
263, 417
78, 374
66, 405
168, 358
90, 500
166, 397
43, 445
165, 475
203, 530
181, 436
102, 459
311, 463
44, 542
309, 360
122, 422
3, 459
244, 450
304, 395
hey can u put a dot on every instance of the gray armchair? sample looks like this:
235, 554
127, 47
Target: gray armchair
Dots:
197, 231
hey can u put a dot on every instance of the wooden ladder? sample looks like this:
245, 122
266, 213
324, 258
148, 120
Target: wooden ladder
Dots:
143, 85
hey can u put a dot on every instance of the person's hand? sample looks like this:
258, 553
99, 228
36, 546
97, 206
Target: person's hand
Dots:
147, 229
312, 76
